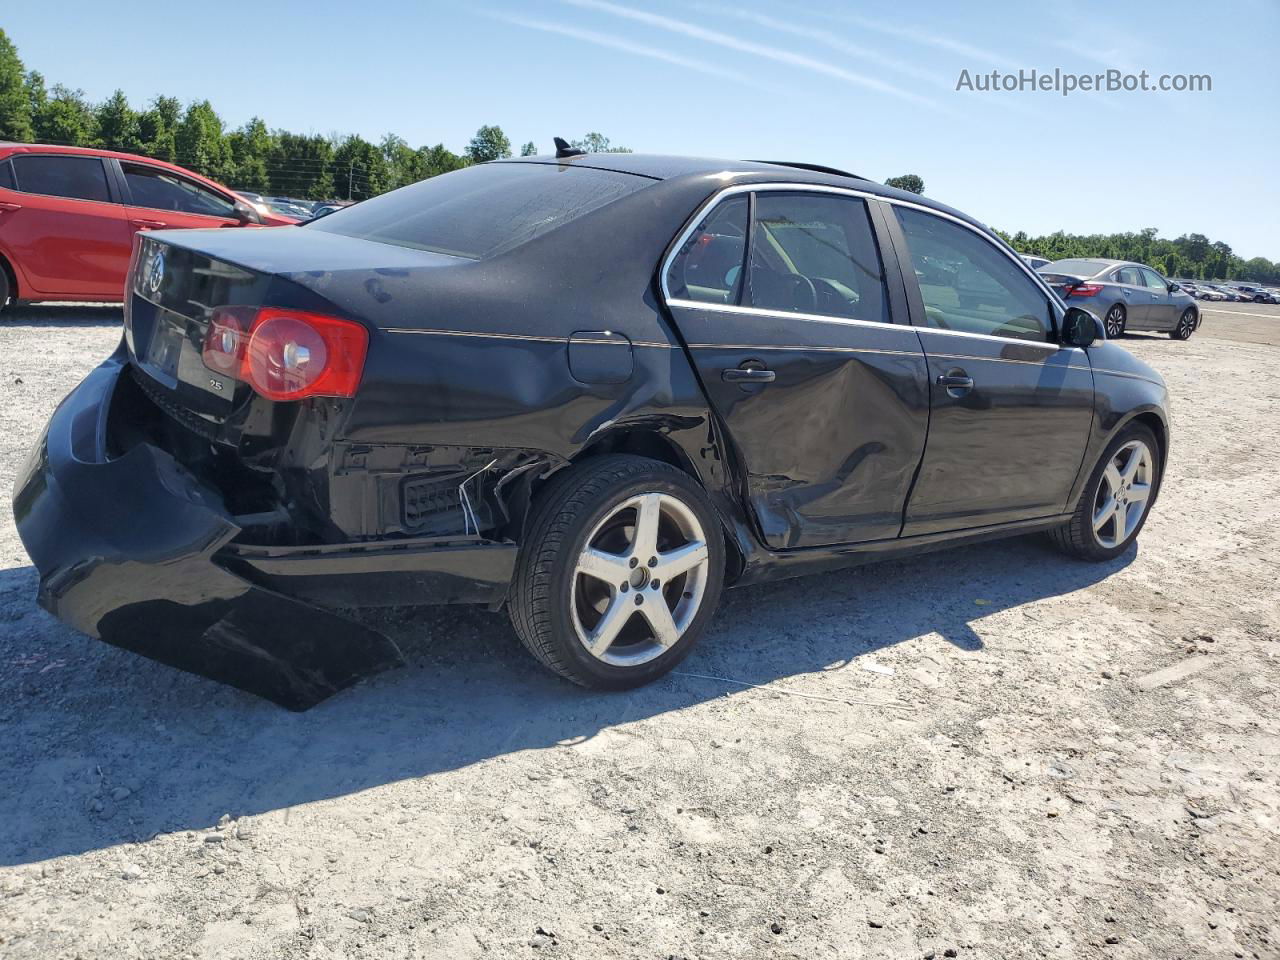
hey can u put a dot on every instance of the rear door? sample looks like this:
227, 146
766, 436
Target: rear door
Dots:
161, 199
782, 297
1133, 294
1011, 407
62, 227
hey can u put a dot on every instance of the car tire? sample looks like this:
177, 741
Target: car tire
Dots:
1115, 322
578, 597
1083, 536
5, 293
1186, 325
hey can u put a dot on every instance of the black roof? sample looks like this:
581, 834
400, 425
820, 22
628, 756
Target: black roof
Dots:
669, 167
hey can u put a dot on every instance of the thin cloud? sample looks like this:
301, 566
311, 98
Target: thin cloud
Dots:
824, 38
755, 49
612, 42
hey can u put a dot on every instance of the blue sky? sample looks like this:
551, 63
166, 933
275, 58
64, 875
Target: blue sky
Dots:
865, 86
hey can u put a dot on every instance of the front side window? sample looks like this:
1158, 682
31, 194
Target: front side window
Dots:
6, 176
159, 189
815, 253
1155, 283
80, 178
969, 285
708, 265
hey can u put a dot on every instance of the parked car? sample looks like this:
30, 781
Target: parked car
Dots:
68, 216
1230, 294
1128, 296
1205, 291
288, 208
1033, 261
1252, 292
595, 392
256, 199
324, 209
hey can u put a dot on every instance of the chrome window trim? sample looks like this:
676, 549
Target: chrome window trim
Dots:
1055, 302
1048, 345
783, 314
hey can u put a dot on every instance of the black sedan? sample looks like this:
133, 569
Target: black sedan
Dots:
593, 389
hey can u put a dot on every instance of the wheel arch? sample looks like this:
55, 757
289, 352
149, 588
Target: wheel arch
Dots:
11, 273
659, 445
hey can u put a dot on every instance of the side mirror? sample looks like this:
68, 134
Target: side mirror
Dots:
246, 213
1080, 328
1174, 288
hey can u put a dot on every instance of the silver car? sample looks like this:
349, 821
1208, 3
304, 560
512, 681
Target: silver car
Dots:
1126, 295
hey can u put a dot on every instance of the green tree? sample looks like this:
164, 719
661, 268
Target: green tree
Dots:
489, 143
359, 169
436, 160
298, 166
910, 182
15, 102
250, 148
117, 124
66, 117
597, 143
157, 128
200, 143
530, 149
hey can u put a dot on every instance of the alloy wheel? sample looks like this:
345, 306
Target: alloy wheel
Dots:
1123, 494
640, 579
1115, 322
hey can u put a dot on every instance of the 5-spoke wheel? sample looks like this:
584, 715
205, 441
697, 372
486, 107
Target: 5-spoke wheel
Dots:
621, 571
1117, 498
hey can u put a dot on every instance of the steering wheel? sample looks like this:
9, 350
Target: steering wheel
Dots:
802, 287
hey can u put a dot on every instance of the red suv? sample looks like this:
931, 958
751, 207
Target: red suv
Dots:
68, 216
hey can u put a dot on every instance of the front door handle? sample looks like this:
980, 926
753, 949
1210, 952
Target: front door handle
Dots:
956, 382
747, 375
750, 371
7, 206
149, 224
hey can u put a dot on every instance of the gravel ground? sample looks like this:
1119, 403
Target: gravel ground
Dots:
994, 751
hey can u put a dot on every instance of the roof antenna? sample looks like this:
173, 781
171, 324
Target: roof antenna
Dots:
564, 150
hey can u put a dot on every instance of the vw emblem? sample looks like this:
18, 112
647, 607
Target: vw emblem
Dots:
155, 274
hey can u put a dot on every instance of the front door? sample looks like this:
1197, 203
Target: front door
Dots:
1161, 310
62, 228
1011, 407
824, 398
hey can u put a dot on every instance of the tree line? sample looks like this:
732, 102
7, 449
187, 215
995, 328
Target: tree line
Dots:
1192, 256
252, 157
278, 162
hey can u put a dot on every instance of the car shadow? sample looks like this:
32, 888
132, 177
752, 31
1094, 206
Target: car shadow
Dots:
57, 315
104, 747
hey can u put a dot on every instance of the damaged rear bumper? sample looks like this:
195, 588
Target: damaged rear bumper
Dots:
134, 549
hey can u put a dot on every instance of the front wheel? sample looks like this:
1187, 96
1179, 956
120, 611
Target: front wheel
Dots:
1186, 325
620, 572
1117, 499
1115, 322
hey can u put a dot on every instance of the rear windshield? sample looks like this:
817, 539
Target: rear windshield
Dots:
481, 211
1081, 268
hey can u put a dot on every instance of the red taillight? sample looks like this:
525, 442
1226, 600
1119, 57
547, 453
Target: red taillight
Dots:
287, 354
1085, 290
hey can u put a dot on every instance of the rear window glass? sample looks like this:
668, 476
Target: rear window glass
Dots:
81, 178
6, 175
1081, 268
481, 211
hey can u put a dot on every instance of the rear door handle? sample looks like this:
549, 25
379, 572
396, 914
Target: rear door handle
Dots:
6, 205
747, 375
149, 224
